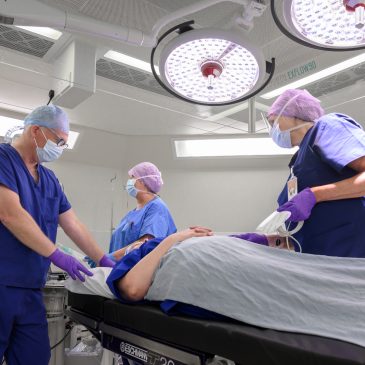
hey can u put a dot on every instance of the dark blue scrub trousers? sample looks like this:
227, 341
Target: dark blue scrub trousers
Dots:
23, 327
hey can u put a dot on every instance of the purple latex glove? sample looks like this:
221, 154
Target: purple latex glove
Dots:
107, 261
69, 264
300, 206
261, 239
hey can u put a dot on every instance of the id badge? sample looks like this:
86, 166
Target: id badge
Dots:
292, 187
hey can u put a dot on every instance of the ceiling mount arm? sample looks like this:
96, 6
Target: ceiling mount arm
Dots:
188, 10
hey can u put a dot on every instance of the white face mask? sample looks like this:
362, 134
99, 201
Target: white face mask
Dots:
50, 151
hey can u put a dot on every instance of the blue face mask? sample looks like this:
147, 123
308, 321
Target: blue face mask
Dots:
50, 152
281, 138
131, 189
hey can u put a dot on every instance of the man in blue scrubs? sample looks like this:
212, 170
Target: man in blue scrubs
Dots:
151, 218
32, 205
327, 173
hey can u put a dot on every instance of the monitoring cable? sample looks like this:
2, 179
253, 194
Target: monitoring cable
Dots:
51, 94
63, 338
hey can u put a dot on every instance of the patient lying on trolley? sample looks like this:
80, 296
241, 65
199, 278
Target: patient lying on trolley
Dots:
134, 285
200, 274
196, 273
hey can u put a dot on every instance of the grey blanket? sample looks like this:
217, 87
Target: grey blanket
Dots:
266, 287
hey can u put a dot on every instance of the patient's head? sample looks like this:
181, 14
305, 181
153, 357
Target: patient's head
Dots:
280, 242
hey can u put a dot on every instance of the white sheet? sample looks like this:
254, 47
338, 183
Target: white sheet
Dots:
93, 285
266, 287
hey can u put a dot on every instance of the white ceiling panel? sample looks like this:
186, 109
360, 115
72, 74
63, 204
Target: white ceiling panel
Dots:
138, 106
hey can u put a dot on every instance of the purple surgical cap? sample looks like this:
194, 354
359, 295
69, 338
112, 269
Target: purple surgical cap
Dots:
153, 183
301, 105
48, 116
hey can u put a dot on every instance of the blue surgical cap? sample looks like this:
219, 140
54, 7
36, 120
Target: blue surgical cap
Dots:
49, 116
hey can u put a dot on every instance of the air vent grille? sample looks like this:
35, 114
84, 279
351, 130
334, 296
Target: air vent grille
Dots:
24, 42
129, 76
338, 81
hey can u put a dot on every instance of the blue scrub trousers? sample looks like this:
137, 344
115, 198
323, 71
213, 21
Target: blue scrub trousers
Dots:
23, 327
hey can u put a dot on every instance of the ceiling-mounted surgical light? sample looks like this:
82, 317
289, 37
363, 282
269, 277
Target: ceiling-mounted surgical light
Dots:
336, 25
211, 66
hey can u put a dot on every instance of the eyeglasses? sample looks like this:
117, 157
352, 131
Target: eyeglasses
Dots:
268, 123
60, 142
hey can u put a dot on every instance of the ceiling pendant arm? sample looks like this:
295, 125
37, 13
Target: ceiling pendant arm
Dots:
188, 10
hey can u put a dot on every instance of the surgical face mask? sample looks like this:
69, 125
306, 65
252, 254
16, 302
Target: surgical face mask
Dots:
282, 138
50, 152
131, 189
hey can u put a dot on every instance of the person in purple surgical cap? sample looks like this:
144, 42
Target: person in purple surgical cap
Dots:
326, 186
150, 219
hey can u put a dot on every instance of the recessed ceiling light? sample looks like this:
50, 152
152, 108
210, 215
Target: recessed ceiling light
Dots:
228, 147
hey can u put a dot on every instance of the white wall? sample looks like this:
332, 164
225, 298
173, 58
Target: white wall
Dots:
92, 196
225, 200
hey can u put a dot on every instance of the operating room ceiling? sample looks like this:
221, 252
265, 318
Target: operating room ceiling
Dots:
130, 102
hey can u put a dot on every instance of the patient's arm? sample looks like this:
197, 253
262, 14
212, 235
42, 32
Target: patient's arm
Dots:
118, 254
135, 284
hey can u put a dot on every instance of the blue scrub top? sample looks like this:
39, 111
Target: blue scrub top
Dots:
153, 219
44, 201
123, 266
334, 228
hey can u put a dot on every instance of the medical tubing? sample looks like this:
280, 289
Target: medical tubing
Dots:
288, 234
63, 339
297, 242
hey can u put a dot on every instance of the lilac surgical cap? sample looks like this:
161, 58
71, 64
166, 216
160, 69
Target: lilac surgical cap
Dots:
297, 104
153, 183
48, 116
